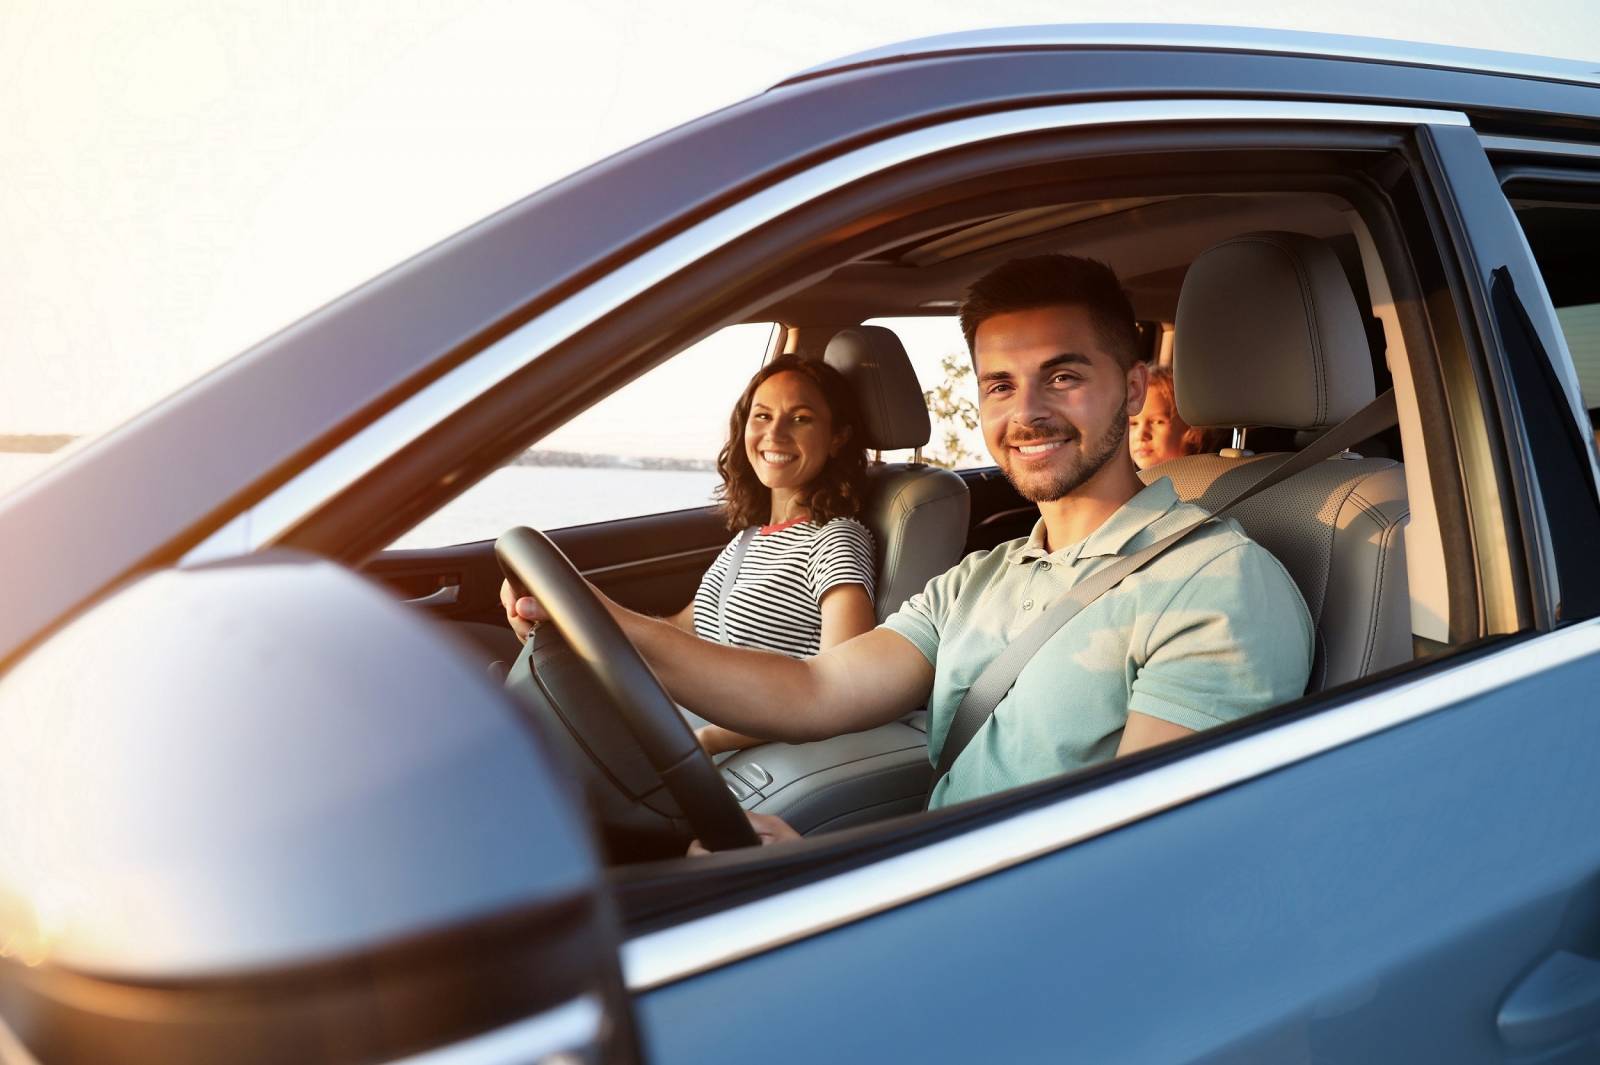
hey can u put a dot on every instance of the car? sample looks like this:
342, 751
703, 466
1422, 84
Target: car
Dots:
264, 798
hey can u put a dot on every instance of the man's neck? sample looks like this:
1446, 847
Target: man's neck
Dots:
1083, 510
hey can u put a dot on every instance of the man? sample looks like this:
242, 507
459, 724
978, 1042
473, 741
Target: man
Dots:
1211, 631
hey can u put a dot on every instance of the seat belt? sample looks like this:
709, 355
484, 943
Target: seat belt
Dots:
735, 560
997, 678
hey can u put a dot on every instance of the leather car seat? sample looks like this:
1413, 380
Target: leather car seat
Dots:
917, 513
1268, 334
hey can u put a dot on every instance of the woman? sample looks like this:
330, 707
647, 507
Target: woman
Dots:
1157, 433
793, 476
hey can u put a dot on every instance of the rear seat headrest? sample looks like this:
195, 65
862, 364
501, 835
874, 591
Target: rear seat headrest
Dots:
874, 361
1268, 333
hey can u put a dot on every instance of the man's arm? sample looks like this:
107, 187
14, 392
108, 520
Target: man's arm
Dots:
861, 683
846, 613
684, 619
1234, 639
1143, 731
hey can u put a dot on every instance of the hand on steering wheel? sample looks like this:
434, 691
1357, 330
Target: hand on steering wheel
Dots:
523, 613
530, 561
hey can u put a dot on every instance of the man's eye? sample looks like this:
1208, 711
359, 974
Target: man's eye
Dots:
1063, 378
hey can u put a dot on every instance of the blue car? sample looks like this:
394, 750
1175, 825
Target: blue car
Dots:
277, 784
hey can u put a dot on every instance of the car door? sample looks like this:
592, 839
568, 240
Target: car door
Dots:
1402, 872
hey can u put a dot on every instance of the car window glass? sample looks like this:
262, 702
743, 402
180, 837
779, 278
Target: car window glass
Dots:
1581, 325
648, 448
1562, 240
938, 354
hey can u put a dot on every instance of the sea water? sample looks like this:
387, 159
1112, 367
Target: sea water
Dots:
544, 497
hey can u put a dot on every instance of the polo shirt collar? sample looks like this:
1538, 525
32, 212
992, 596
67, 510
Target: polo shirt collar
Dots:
1129, 520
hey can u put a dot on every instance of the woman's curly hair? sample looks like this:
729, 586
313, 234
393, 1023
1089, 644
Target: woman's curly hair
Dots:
836, 492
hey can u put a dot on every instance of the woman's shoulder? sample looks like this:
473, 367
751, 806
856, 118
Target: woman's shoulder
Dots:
850, 529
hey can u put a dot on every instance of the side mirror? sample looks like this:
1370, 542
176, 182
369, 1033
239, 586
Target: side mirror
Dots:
260, 812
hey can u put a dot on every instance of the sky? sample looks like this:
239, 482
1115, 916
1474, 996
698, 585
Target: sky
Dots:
182, 179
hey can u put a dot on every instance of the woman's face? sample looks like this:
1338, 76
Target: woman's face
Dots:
789, 435
1155, 434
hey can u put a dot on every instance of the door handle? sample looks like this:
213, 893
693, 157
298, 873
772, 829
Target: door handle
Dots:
1558, 1001
445, 595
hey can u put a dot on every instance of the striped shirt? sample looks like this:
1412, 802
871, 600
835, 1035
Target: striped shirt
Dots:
776, 600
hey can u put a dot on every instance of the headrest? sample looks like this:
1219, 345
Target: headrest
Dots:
1268, 333
873, 360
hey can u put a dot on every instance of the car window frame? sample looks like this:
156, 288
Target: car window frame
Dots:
1536, 388
988, 813
700, 292
749, 363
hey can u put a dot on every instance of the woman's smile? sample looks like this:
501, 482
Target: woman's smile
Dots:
788, 439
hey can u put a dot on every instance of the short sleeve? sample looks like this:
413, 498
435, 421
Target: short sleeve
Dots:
840, 554
1235, 639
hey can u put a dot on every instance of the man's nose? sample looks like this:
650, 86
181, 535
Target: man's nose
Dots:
1030, 407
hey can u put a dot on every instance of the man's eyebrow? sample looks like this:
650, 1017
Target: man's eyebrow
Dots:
1069, 358
1066, 358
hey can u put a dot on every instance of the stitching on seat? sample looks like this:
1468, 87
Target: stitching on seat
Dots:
1386, 527
1377, 595
1384, 551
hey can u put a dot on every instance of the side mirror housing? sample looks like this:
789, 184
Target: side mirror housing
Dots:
260, 812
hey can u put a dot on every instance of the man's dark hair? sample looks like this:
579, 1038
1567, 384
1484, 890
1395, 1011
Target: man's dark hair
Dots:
1055, 281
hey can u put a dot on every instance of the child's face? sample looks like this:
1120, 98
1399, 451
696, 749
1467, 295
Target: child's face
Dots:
1155, 434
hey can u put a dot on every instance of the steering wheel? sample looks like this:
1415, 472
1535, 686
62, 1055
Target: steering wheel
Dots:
536, 566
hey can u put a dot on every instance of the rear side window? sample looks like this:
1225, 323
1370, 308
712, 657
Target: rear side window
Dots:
1564, 240
1581, 325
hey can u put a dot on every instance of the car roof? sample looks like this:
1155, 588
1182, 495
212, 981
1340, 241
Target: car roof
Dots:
1219, 38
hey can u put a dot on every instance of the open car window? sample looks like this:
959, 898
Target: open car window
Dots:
1440, 544
647, 448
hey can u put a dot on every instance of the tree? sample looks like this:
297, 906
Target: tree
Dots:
952, 410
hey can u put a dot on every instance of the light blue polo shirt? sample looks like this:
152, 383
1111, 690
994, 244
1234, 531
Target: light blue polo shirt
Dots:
1211, 631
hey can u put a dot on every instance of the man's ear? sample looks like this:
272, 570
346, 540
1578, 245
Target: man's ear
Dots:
1138, 385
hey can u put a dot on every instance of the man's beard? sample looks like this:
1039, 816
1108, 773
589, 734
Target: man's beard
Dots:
1048, 485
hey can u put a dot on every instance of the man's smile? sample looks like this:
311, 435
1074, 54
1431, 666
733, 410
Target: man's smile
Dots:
1036, 450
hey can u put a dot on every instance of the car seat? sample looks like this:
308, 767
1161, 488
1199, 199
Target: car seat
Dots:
917, 513
1268, 333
